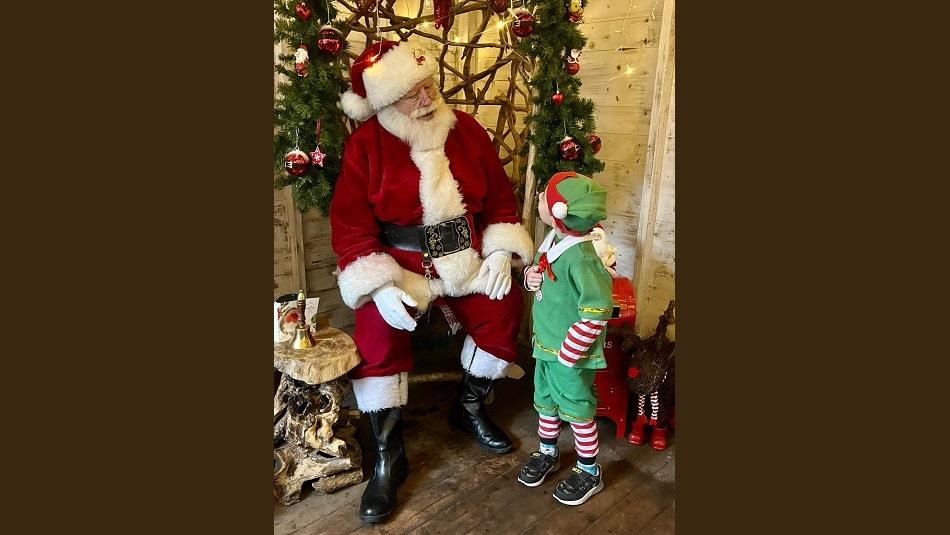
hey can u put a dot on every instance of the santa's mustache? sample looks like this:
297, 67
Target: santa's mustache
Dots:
422, 112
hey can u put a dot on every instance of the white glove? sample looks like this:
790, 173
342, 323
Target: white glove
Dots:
389, 301
498, 268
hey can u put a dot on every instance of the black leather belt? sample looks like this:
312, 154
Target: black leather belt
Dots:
437, 240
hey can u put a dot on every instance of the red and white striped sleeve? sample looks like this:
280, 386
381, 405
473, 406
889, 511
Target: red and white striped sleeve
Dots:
580, 337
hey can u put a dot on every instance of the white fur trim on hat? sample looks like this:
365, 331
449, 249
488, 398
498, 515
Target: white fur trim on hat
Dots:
394, 74
559, 210
509, 237
355, 106
378, 393
365, 274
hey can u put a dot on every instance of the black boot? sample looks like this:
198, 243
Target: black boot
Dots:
392, 467
468, 413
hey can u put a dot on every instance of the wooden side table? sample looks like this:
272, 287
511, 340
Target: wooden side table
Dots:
313, 435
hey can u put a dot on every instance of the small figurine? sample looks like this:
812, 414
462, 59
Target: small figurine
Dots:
652, 379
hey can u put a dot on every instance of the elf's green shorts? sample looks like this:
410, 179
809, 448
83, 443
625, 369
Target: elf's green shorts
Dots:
567, 393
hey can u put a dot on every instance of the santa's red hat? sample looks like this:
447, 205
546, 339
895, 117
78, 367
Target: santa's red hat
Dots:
383, 74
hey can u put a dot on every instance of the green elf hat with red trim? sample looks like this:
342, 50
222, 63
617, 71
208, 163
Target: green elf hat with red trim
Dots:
576, 202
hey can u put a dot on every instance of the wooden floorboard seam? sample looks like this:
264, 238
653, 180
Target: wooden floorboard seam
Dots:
649, 523
627, 495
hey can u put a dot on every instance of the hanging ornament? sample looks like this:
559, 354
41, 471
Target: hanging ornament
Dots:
557, 99
317, 155
301, 60
595, 143
442, 14
523, 23
329, 40
572, 62
575, 10
500, 6
303, 11
569, 148
296, 163
365, 6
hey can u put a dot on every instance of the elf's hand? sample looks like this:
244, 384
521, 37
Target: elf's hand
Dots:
391, 301
498, 268
532, 278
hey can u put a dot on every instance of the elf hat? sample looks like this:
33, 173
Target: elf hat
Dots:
383, 74
576, 202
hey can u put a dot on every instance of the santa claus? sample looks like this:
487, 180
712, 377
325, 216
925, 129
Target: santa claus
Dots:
423, 213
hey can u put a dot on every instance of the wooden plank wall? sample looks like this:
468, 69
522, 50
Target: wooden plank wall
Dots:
622, 107
656, 236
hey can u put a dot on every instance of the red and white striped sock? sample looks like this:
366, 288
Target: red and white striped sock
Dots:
549, 427
579, 338
585, 439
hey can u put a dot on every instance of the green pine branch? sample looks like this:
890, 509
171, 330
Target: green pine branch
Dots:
301, 101
552, 39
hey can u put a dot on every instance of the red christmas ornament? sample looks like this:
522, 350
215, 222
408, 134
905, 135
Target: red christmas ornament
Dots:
595, 143
500, 6
442, 16
365, 6
301, 60
329, 40
523, 24
569, 148
572, 68
317, 156
303, 11
557, 98
296, 163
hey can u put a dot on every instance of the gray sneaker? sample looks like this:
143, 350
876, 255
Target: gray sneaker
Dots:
578, 487
537, 468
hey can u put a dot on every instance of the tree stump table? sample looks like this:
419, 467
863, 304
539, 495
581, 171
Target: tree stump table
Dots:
314, 436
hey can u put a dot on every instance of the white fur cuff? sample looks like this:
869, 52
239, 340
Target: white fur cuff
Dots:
364, 275
510, 237
378, 393
480, 363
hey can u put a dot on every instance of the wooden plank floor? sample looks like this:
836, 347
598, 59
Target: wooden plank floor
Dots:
454, 487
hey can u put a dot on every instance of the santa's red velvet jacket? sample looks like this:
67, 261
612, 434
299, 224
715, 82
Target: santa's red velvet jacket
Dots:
393, 171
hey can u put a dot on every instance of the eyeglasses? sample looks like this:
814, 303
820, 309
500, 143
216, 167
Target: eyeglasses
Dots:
413, 98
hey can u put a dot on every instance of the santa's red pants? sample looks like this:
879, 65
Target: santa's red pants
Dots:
386, 351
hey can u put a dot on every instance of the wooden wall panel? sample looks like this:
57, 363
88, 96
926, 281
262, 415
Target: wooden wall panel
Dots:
622, 108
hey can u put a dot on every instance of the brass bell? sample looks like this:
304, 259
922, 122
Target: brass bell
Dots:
302, 337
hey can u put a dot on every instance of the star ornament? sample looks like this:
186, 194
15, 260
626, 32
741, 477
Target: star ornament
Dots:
317, 156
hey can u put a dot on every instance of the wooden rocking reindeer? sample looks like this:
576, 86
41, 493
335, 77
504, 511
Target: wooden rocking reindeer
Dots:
652, 379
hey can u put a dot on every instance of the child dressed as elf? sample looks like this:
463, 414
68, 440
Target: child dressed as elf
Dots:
573, 301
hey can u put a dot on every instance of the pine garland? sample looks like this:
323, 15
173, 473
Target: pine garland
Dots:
552, 39
303, 100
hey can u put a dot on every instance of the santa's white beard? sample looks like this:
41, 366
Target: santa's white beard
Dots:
417, 133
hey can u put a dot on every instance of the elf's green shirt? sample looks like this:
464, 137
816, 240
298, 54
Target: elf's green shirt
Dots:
582, 289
